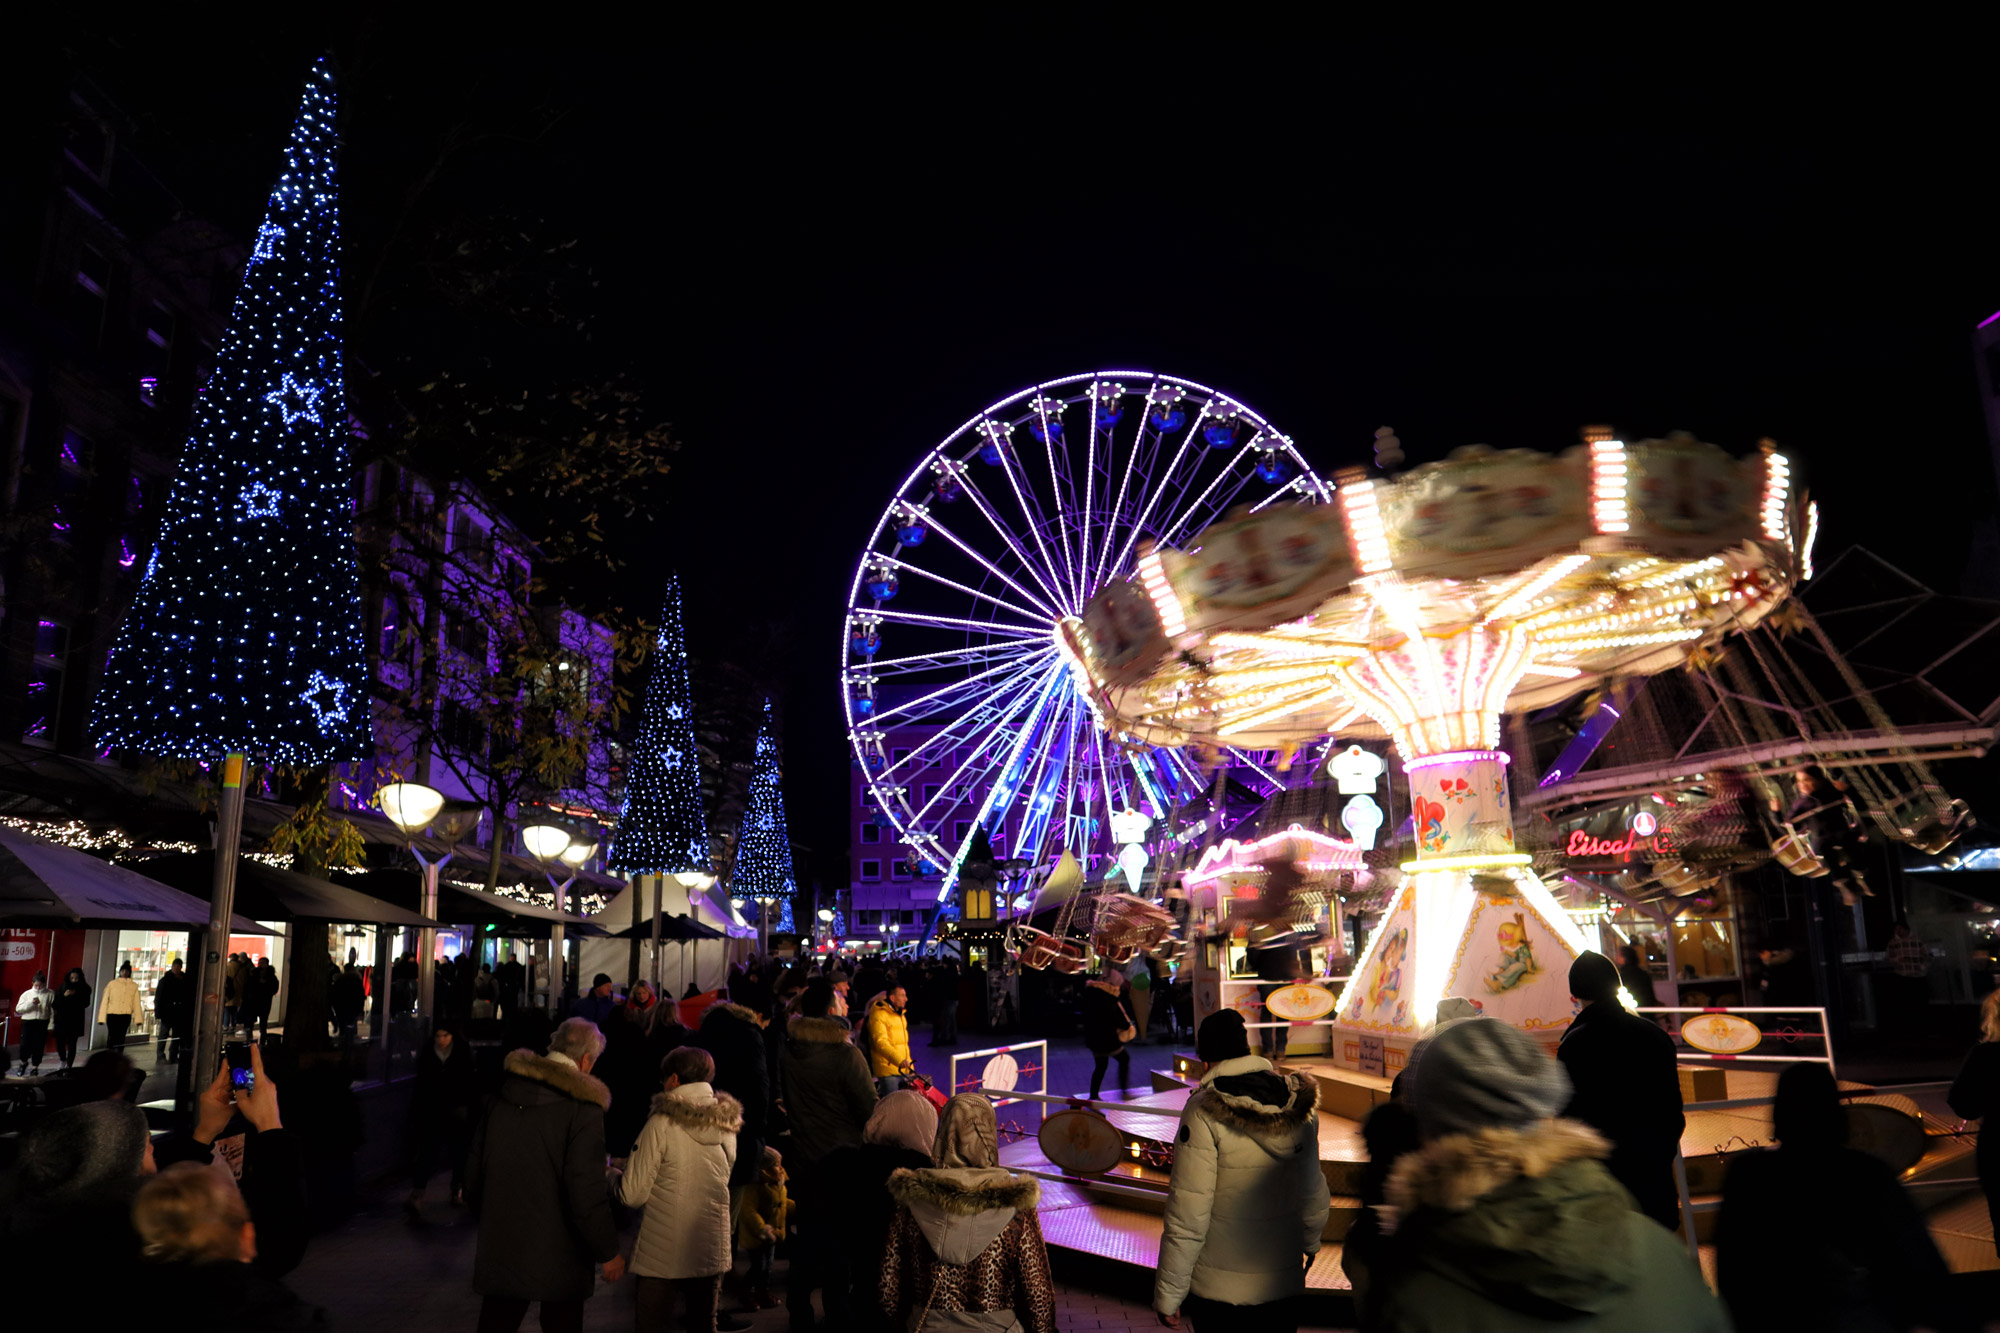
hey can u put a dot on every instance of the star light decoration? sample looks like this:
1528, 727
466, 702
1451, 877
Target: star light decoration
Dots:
662, 829
763, 848
246, 632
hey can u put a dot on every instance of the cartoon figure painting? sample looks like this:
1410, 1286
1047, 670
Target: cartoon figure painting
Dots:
1517, 956
1387, 983
1430, 825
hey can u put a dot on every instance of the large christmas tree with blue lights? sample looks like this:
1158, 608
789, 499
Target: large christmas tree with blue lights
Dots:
763, 847
245, 635
661, 830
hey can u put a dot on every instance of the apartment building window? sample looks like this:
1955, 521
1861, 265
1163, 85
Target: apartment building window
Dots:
87, 291
45, 681
871, 870
931, 790
461, 729
899, 754
899, 869
961, 830
871, 833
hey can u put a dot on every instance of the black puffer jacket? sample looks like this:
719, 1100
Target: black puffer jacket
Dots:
732, 1035
1628, 1089
536, 1182
828, 1093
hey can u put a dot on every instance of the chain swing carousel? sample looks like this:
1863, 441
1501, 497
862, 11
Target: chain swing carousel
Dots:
1420, 608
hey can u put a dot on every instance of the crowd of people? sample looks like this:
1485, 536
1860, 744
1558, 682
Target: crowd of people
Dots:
1506, 1188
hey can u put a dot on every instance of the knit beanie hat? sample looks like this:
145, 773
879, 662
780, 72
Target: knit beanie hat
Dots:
1593, 977
1485, 1074
1221, 1037
81, 1147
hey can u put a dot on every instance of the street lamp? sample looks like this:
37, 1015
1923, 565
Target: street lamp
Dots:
411, 806
553, 843
764, 904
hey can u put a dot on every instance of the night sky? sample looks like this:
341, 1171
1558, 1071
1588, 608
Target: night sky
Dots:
819, 256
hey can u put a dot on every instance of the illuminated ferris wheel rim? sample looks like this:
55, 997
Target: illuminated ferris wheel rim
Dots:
1049, 566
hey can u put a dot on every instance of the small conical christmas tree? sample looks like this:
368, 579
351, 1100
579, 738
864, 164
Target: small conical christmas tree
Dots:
661, 830
785, 924
245, 635
763, 847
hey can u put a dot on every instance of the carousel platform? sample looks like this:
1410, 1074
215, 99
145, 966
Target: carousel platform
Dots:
1117, 1215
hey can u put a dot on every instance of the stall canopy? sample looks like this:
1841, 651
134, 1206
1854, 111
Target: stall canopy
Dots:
272, 893
676, 927
43, 884
460, 905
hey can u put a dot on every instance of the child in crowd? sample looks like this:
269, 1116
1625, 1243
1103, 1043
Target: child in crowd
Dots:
767, 1209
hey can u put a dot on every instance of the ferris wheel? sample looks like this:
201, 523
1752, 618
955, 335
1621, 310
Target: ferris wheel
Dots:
962, 710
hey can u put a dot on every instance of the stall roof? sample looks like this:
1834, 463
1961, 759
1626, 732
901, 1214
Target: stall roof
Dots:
43, 884
275, 894
461, 905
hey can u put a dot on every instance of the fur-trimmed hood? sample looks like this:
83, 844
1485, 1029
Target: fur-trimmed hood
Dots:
961, 1210
823, 1031
1247, 1096
1526, 1217
742, 1011
566, 1079
699, 1109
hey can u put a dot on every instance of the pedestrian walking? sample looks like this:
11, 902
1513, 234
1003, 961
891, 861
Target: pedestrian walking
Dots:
173, 1002
733, 1036
485, 994
1975, 1095
347, 1002
966, 1250
535, 1180
828, 1098
599, 1004
1815, 1234
1627, 1087
119, 1006
34, 1006
1507, 1218
510, 977
237, 980
1107, 1027
263, 994
71, 1010
679, 1173
443, 1103
1636, 977
1246, 1202
887, 1033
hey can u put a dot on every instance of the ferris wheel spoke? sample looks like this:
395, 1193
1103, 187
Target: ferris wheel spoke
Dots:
1031, 513
1257, 768
1292, 487
1040, 573
998, 791
934, 577
1152, 501
980, 503
954, 622
1083, 587
916, 710
947, 737
946, 656
1146, 446
1187, 519
1064, 495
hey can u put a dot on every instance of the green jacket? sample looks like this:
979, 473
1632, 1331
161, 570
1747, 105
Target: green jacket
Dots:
1510, 1229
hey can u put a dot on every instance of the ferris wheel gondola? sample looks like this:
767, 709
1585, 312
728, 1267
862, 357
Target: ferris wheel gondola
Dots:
962, 707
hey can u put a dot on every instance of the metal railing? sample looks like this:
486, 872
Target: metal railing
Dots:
1002, 1096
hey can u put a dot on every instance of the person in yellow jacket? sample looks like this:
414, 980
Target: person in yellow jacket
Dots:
888, 1034
120, 1006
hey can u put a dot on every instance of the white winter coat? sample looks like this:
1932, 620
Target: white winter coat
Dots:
121, 996
679, 1173
35, 1004
1247, 1201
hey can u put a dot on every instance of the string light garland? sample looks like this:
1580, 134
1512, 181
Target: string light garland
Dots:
763, 847
662, 830
245, 636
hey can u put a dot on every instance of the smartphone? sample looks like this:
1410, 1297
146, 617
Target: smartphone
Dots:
237, 1055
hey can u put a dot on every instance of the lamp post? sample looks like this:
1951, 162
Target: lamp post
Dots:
411, 806
553, 845
764, 903
825, 915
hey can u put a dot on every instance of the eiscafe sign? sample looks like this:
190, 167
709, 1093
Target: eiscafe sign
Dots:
1643, 834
